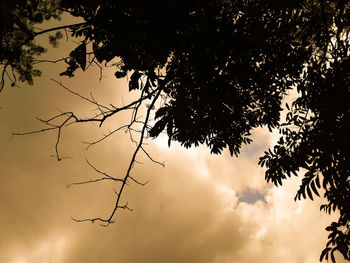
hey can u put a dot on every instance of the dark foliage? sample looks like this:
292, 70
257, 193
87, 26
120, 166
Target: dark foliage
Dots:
18, 50
224, 67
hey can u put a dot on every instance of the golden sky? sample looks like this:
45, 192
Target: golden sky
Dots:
200, 208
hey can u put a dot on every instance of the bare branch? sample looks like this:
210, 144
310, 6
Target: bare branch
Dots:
92, 220
103, 173
53, 127
134, 113
131, 137
105, 136
149, 157
115, 191
126, 207
49, 61
131, 164
59, 137
109, 112
81, 96
105, 177
89, 181
57, 28
68, 118
139, 183
33, 132
55, 117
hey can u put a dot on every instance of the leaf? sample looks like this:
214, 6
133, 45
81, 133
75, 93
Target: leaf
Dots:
324, 252
332, 256
279, 180
79, 54
334, 207
269, 127
303, 194
170, 131
329, 228
309, 193
102, 53
318, 182
97, 51
147, 86
161, 112
59, 35
261, 161
134, 81
158, 127
314, 189
120, 74
53, 41
324, 183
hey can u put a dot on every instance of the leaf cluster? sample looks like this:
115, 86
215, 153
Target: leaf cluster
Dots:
316, 133
17, 32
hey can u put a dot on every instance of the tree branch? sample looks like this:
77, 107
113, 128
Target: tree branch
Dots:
131, 164
57, 28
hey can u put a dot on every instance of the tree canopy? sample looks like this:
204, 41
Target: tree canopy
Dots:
222, 68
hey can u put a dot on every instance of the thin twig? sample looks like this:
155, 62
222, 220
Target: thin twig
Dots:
103, 173
105, 136
105, 176
139, 183
149, 157
80, 96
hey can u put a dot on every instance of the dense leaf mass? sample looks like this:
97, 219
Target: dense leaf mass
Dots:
224, 67
17, 20
224, 60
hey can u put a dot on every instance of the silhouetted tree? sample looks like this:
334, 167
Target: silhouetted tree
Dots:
222, 67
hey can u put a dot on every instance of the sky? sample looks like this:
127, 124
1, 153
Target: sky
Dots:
199, 208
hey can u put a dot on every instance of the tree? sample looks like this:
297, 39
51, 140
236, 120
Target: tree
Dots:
209, 61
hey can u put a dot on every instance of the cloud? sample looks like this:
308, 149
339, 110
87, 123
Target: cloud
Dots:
189, 212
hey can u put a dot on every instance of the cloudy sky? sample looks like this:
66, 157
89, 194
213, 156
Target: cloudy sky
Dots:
199, 208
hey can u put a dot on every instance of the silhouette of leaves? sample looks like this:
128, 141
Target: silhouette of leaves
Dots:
224, 68
79, 55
